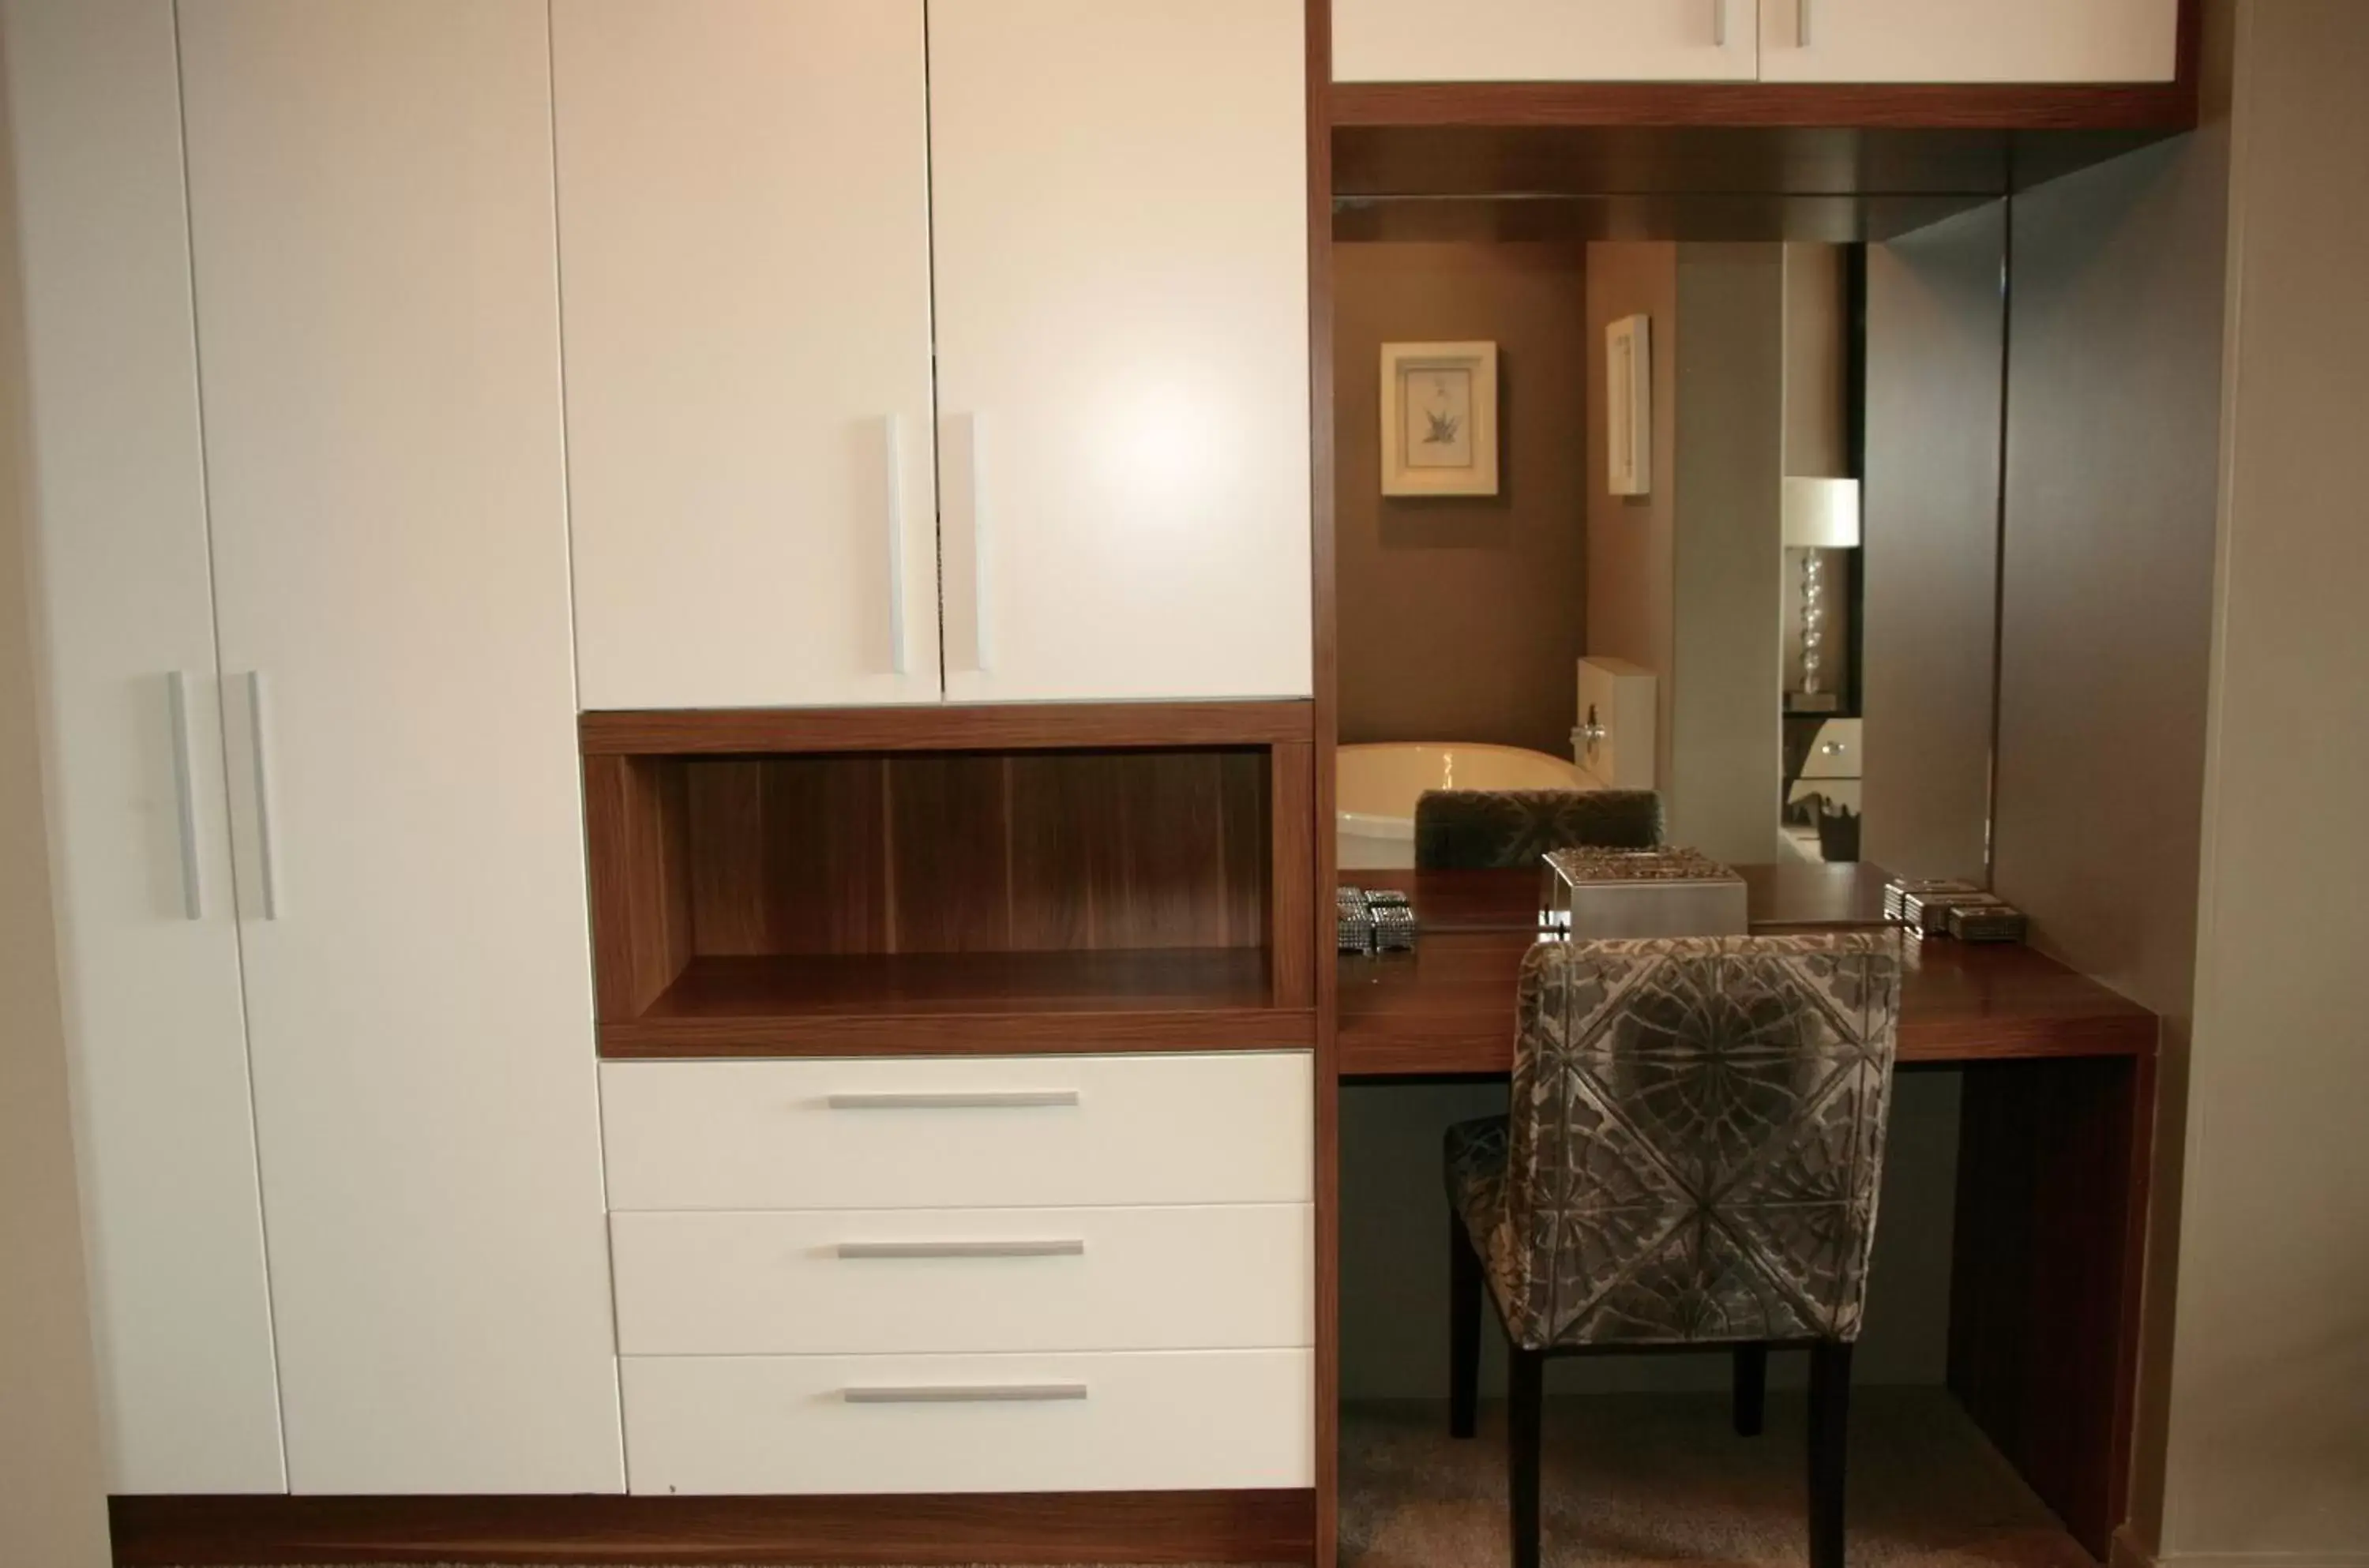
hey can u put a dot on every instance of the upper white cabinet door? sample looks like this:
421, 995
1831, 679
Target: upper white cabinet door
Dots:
1121, 234
745, 254
148, 934
371, 203
1545, 41
1969, 40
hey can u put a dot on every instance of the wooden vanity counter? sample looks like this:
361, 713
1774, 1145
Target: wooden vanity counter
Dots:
1447, 1007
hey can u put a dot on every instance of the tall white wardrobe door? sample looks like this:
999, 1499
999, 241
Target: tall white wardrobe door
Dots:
371, 197
745, 252
148, 934
1120, 207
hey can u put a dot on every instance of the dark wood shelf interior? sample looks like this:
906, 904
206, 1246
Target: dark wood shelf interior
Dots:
940, 984
900, 899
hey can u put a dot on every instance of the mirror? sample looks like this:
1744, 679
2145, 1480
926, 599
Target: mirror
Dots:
1742, 545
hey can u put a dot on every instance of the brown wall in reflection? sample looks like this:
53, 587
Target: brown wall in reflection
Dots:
1464, 618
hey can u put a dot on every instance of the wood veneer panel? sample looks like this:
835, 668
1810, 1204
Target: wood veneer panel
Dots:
976, 852
1005, 727
1293, 816
1448, 1008
2157, 105
1325, 666
635, 818
1063, 1528
2049, 1244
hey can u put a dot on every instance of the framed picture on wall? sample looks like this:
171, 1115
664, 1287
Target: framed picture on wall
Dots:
1439, 419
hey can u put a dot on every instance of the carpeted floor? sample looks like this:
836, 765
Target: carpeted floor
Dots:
1660, 1479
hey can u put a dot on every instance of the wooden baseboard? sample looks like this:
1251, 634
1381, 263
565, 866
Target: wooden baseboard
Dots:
1275, 1527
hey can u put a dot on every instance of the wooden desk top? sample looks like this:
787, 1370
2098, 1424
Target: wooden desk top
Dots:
1449, 1006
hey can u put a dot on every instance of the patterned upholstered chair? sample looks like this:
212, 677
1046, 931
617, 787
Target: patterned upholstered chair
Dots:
1465, 830
1697, 1133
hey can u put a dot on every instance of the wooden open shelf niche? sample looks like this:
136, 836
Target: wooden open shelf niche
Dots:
941, 880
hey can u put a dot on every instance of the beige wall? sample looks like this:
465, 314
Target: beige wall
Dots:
1934, 333
52, 1512
1688, 580
2269, 1430
1463, 619
1726, 742
2113, 413
1632, 539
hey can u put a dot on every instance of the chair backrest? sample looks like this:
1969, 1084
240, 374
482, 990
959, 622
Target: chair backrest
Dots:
1466, 830
1698, 1134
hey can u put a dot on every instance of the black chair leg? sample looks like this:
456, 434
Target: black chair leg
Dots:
1829, 1444
1751, 1388
1525, 1387
1464, 1287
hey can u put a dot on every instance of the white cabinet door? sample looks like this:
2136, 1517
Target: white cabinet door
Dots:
371, 206
745, 250
1545, 41
1969, 40
1120, 205
148, 935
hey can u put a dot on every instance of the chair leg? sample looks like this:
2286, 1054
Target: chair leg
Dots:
1526, 1386
1464, 1289
1829, 1444
1751, 1388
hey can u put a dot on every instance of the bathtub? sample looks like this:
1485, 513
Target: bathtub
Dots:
1376, 786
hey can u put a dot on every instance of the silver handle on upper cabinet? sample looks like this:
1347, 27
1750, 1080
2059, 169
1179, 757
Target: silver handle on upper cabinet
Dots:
896, 497
1801, 23
185, 802
982, 547
982, 1100
1719, 23
259, 752
964, 1393
1064, 1247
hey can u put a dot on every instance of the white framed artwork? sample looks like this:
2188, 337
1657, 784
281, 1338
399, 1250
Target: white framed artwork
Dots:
1439, 419
1629, 405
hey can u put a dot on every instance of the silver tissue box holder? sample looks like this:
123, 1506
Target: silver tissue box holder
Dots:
1592, 894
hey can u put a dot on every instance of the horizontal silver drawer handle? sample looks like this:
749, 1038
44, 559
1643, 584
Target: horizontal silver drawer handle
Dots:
1062, 1247
967, 1393
983, 1100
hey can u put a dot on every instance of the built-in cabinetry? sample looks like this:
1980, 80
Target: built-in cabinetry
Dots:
744, 221
140, 836
303, 554
1106, 486
371, 219
1957, 42
351, 324
961, 1275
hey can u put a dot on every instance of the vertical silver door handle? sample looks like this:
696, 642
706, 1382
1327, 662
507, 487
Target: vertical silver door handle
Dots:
1718, 23
185, 802
266, 853
982, 547
896, 478
1801, 23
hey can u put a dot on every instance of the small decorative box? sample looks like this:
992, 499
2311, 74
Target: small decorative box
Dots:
1991, 921
1927, 914
1598, 893
1900, 889
1394, 926
1355, 926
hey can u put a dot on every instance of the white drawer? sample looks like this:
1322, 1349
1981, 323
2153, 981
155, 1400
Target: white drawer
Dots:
860, 1281
1141, 1420
959, 1132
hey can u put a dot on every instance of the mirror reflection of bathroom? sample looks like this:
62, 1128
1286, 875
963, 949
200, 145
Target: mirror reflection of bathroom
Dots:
1738, 544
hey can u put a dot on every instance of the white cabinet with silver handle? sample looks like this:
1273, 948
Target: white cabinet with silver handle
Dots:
1944, 42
